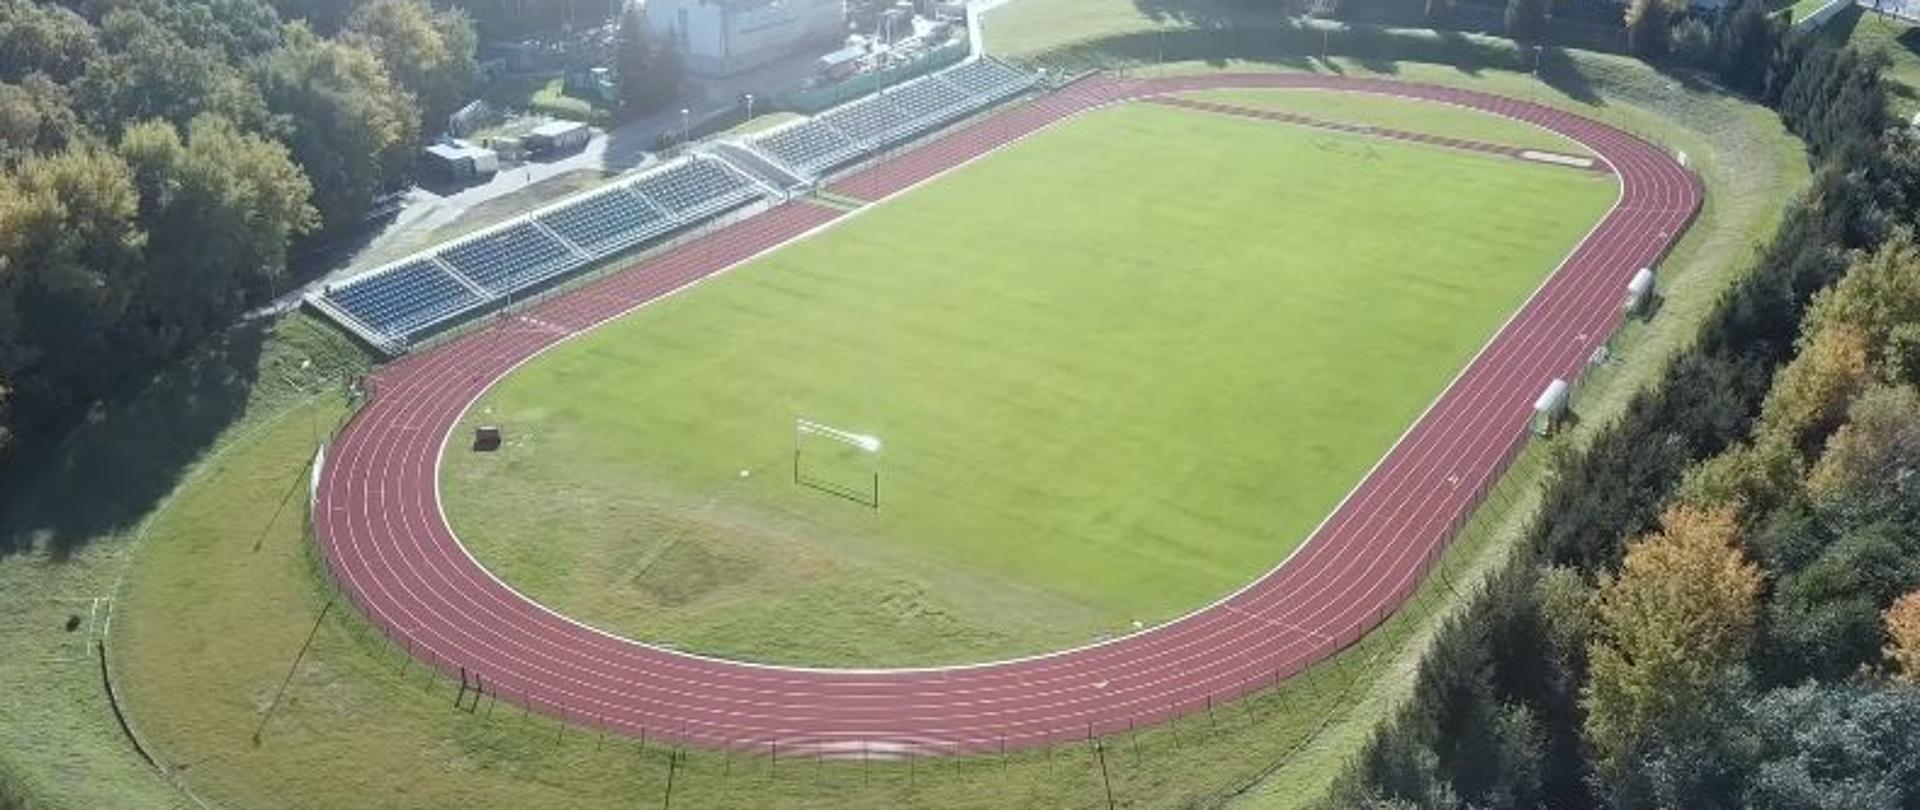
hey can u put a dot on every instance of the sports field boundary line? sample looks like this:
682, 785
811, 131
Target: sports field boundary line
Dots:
1468, 146
1311, 535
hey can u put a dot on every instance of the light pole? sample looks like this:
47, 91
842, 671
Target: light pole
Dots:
749, 106
686, 124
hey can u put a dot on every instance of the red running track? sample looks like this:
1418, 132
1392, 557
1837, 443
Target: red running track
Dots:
378, 518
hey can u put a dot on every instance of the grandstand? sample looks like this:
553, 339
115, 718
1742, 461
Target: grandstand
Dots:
817, 145
867, 121
697, 188
607, 221
392, 306
808, 146
406, 297
511, 258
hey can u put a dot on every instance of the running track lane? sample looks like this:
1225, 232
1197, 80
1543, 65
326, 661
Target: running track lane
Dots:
378, 517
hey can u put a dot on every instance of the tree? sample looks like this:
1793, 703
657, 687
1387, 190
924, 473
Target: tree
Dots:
6, 415
647, 67
1810, 395
1682, 609
428, 52
1823, 620
34, 118
148, 72
1880, 296
71, 244
1526, 20
1751, 477
240, 29
1647, 24
1878, 447
345, 121
1744, 43
1832, 747
44, 38
222, 207
1903, 637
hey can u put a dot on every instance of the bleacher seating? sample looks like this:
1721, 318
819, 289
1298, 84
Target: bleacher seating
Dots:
697, 188
911, 108
930, 100
810, 146
988, 79
868, 121
404, 299
506, 260
606, 221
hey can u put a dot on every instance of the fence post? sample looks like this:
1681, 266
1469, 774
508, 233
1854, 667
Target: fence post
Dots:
1100, 750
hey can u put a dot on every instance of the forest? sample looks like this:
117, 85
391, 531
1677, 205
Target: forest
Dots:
1720, 604
162, 160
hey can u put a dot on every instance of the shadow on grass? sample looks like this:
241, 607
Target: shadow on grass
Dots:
1209, 14
1558, 71
1317, 47
128, 452
1839, 28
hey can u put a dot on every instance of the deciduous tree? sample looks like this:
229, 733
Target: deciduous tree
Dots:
34, 117
1903, 637
42, 37
148, 72
348, 125
1647, 22
1878, 447
222, 207
1810, 395
1526, 20
71, 243
1681, 609
428, 51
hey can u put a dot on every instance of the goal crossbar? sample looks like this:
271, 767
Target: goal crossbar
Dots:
867, 444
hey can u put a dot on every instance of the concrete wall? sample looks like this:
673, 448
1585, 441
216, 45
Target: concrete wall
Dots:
731, 36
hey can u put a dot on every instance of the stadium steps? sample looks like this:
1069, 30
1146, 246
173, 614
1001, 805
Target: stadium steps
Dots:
564, 242
761, 168
460, 277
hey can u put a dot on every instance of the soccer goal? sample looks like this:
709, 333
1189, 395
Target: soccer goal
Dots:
838, 462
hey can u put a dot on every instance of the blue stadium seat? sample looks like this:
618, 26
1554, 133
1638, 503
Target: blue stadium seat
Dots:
810, 146
507, 260
697, 188
607, 221
403, 300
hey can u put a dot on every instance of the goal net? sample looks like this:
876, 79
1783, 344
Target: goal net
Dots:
838, 462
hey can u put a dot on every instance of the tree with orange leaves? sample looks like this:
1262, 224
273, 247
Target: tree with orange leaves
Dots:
1682, 608
1903, 634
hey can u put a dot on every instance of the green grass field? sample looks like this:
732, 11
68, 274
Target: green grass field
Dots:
1119, 369
1397, 113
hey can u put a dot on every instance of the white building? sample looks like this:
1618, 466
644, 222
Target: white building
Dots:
723, 37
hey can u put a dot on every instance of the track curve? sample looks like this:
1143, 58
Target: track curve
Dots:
378, 520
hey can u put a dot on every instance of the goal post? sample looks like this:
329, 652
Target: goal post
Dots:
836, 461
